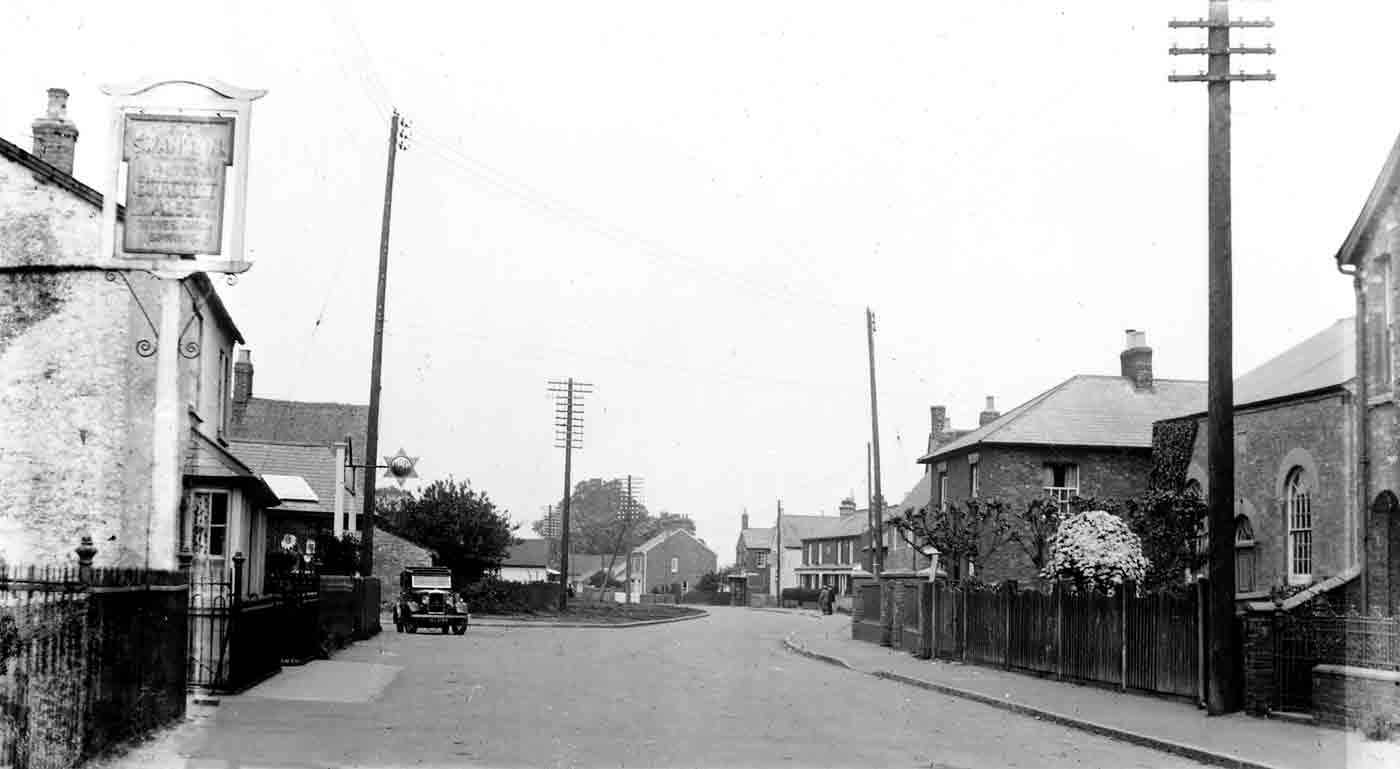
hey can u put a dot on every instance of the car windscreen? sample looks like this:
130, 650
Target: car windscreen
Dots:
433, 581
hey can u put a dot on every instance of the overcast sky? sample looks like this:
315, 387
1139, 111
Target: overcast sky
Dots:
689, 205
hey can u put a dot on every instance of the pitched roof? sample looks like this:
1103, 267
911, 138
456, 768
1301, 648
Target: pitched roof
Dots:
757, 539
204, 458
304, 422
314, 463
1380, 204
1086, 410
54, 176
528, 552
1325, 359
588, 564
665, 535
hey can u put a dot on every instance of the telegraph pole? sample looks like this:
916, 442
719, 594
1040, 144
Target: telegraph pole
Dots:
877, 505
398, 140
778, 555
1224, 687
568, 435
627, 514
869, 511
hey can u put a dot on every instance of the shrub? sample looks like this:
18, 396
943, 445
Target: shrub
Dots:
496, 596
1096, 549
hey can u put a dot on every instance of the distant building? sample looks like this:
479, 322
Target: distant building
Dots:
528, 561
673, 557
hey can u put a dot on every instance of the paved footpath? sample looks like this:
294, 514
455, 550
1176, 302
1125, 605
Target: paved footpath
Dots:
1233, 740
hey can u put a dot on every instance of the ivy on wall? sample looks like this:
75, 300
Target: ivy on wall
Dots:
1172, 445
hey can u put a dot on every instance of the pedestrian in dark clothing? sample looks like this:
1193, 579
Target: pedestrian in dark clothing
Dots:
824, 599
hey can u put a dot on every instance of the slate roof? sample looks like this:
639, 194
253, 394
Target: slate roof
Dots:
665, 535
918, 496
588, 564
757, 539
1086, 410
315, 463
1325, 359
529, 552
279, 421
204, 458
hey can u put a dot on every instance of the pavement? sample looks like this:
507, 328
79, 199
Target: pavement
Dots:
718, 691
1172, 726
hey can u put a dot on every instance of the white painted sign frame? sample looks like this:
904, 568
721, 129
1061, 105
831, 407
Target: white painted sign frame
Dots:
210, 97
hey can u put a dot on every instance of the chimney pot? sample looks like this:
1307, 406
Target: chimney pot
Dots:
242, 383
744, 521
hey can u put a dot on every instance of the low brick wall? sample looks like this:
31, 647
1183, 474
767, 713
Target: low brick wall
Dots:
1350, 696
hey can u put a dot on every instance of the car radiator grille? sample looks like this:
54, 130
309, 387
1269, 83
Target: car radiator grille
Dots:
436, 603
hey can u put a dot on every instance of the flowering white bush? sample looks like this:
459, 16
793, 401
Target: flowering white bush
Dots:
1096, 549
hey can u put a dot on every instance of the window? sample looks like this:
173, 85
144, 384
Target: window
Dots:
943, 490
1062, 483
850, 553
675, 565
1298, 505
207, 525
761, 559
221, 410
974, 483
1244, 556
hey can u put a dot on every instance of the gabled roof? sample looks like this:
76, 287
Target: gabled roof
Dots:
920, 495
665, 535
1086, 410
54, 176
757, 539
314, 463
1380, 203
304, 422
529, 552
1325, 359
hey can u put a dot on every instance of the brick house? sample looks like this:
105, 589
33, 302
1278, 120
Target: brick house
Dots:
77, 384
753, 556
673, 557
1368, 256
1296, 519
1088, 436
833, 552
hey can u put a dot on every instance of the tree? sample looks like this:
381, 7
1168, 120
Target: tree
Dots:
1096, 549
708, 582
1169, 524
389, 503
461, 526
594, 525
969, 534
1034, 529
648, 527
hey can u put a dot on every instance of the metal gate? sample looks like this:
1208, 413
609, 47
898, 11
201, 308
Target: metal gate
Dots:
210, 619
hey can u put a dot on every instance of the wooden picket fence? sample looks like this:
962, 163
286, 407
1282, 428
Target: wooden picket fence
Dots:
1148, 642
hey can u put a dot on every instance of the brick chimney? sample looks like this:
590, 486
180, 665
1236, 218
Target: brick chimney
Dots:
990, 413
938, 420
1136, 360
744, 521
242, 384
848, 507
55, 136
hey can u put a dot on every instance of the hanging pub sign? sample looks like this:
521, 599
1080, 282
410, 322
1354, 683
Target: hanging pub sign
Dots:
175, 183
179, 164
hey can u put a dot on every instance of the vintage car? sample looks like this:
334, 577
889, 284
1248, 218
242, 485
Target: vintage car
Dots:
426, 600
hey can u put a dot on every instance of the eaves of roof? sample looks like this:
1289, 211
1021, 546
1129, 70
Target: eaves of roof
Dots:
1382, 194
54, 176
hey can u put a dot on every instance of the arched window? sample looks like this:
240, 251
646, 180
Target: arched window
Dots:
1245, 557
1297, 495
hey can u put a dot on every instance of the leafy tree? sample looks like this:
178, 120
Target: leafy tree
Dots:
966, 533
709, 582
461, 526
1168, 524
594, 523
1096, 549
1034, 529
337, 556
389, 504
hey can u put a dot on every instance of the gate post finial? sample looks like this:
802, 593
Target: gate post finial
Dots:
86, 552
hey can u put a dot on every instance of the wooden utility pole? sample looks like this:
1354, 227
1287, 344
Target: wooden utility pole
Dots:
1224, 689
877, 505
869, 511
568, 425
778, 556
397, 141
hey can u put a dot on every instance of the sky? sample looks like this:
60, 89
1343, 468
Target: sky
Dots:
690, 206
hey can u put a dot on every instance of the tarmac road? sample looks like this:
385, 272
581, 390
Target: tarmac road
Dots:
718, 691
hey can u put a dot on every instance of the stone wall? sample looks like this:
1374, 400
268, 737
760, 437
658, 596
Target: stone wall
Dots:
392, 554
75, 399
